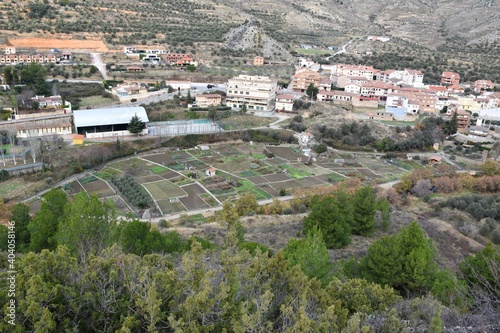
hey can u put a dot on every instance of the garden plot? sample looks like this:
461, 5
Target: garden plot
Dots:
287, 185
134, 166
163, 190
269, 190
163, 159
227, 152
72, 188
196, 165
181, 156
287, 154
248, 188
368, 173
276, 177
209, 199
258, 180
349, 172
194, 200
98, 187
310, 181
331, 178
200, 153
107, 173
168, 207
169, 174
148, 179
120, 204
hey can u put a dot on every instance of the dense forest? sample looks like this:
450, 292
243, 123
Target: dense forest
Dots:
80, 268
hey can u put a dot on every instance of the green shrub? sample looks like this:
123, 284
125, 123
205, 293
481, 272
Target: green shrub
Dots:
287, 211
164, 224
302, 209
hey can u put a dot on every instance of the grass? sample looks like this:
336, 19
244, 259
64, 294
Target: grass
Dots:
313, 51
168, 207
249, 187
11, 186
258, 156
164, 189
248, 173
335, 177
294, 172
177, 167
94, 102
87, 179
409, 165
158, 169
246, 121
107, 173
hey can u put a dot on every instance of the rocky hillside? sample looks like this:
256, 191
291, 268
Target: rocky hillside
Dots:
325, 22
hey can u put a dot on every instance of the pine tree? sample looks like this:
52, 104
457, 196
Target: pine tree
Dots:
331, 220
364, 212
135, 125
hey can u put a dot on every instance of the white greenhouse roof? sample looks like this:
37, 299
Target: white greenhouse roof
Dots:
108, 116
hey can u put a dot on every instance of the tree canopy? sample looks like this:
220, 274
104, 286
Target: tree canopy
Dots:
136, 125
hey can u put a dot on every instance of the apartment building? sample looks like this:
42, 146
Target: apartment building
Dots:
354, 70
413, 101
29, 58
481, 85
409, 77
450, 78
257, 92
303, 78
207, 100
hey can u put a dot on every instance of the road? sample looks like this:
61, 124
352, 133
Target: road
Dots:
343, 49
101, 66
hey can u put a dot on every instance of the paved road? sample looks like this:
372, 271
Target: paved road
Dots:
101, 66
343, 49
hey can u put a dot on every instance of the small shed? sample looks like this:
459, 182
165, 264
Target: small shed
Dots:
78, 139
211, 172
435, 159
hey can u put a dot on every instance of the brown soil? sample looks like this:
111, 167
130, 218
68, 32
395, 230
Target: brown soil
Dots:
64, 44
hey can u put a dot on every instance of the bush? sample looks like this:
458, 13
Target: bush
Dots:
287, 211
164, 224
48, 180
302, 209
495, 237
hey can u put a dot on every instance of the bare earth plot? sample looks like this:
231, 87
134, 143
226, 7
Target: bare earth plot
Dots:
56, 43
163, 189
160, 159
194, 201
286, 153
73, 188
258, 180
310, 181
270, 190
169, 174
276, 177
288, 185
148, 179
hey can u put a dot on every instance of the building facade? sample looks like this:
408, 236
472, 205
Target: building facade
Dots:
207, 100
303, 78
257, 92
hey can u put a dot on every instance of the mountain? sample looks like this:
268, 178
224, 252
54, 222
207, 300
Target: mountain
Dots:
430, 23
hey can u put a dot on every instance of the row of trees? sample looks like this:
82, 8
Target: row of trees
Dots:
339, 215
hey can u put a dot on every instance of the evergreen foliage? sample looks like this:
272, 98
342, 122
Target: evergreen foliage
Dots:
332, 219
364, 212
135, 125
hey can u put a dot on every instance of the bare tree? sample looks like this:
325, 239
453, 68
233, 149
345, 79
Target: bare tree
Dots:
33, 141
422, 188
11, 135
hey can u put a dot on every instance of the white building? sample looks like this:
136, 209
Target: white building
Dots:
257, 92
409, 77
284, 102
99, 123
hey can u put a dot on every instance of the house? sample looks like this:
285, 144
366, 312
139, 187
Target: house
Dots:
378, 39
303, 62
52, 101
258, 61
43, 127
174, 58
78, 139
440, 91
257, 92
455, 89
129, 89
450, 78
303, 78
179, 85
480, 85
284, 102
305, 138
211, 172
207, 100
463, 120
